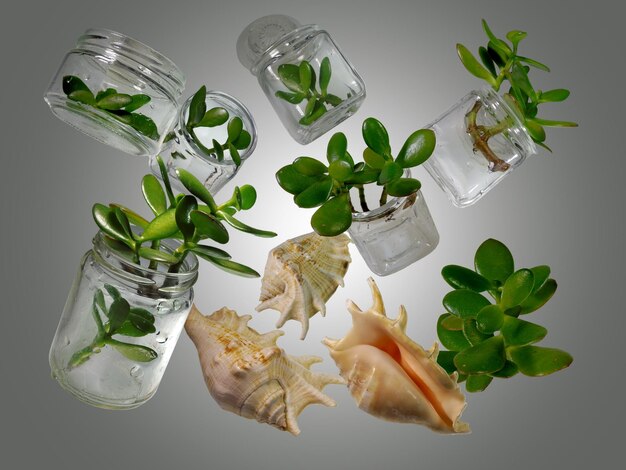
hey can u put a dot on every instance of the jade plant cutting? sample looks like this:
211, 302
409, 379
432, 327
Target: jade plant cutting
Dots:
121, 106
198, 116
301, 81
327, 185
193, 220
500, 63
489, 339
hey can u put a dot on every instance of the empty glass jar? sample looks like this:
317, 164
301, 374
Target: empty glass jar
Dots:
119, 327
307, 79
195, 150
394, 235
118, 91
480, 140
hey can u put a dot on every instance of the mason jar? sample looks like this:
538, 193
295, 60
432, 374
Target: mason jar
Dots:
105, 62
193, 149
480, 140
119, 327
394, 235
274, 49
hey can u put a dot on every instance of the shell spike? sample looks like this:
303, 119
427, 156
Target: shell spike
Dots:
400, 322
378, 304
353, 308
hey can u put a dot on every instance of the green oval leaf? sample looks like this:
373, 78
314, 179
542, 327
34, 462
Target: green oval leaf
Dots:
113, 292
248, 197
309, 166
293, 98
452, 323
539, 298
486, 357
197, 107
515, 37
508, 371
417, 149
210, 251
325, 74
376, 136
305, 72
402, 187
333, 217
136, 102
289, 74
209, 226
292, 181
560, 94
310, 106
460, 277
472, 333
214, 117
117, 313
473, 66
517, 288
536, 361
319, 111
446, 360
71, 83
337, 147
162, 226
454, 340
184, 208
234, 154
243, 141
195, 187
540, 276
372, 159
490, 319
340, 170
316, 194
391, 171
144, 125
230, 266
114, 101
477, 383
365, 176
109, 225
157, 255
153, 194
235, 126
487, 61
134, 352
518, 332
245, 228
83, 96
494, 261
464, 303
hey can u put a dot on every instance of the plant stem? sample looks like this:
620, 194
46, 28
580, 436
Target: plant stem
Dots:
362, 200
383, 197
480, 136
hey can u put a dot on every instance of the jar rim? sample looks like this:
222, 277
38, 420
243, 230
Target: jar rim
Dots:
113, 44
124, 268
245, 115
385, 209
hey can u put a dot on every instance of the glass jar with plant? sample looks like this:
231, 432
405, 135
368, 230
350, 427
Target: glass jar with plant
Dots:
391, 236
307, 79
118, 91
214, 137
130, 299
491, 131
489, 340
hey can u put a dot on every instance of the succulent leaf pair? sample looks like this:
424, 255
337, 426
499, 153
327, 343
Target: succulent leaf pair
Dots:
486, 340
301, 81
327, 186
121, 106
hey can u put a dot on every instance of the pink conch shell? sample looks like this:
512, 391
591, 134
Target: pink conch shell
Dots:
301, 274
248, 374
392, 377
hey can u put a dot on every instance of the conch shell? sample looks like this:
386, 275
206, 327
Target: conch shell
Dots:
392, 377
247, 374
301, 274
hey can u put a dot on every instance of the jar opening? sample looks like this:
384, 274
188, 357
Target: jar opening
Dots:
389, 208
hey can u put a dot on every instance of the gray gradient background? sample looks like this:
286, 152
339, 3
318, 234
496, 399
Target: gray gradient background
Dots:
563, 209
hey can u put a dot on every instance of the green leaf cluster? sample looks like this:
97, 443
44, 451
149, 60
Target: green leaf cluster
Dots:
327, 185
119, 105
121, 319
485, 339
500, 62
237, 139
301, 81
191, 219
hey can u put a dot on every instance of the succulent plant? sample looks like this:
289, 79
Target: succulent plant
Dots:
316, 184
485, 339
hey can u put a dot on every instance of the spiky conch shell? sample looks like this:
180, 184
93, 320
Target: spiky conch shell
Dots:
301, 274
392, 377
248, 374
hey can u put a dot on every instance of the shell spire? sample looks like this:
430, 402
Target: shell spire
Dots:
392, 377
300, 276
248, 374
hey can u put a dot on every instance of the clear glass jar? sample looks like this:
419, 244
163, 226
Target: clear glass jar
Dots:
103, 372
276, 40
395, 235
182, 151
104, 59
462, 165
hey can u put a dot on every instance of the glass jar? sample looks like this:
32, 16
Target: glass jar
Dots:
120, 370
395, 235
198, 155
480, 140
105, 60
274, 47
